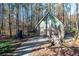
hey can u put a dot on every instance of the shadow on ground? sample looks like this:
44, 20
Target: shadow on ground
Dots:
29, 46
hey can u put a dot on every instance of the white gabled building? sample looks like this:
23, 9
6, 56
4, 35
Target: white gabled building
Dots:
49, 24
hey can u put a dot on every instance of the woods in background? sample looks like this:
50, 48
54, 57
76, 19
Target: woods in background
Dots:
18, 16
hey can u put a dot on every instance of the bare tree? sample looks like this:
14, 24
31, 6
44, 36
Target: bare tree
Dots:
17, 17
2, 17
77, 16
10, 20
1, 20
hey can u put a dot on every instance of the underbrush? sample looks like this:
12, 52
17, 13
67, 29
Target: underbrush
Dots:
5, 47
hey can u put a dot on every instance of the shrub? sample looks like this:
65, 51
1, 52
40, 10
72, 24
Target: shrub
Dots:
73, 31
5, 47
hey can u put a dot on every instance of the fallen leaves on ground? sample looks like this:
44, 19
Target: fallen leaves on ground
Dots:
65, 51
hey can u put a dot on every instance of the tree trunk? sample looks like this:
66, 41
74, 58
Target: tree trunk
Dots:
23, 21
2, 28
70, 18
77, 20
63, 13
10, 21
31, 15
1, 18
17, 19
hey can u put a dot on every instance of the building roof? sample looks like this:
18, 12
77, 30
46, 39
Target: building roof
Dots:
55, 22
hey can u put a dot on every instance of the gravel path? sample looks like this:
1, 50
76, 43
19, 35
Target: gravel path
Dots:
27, 47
